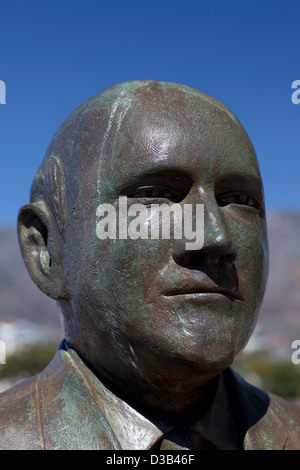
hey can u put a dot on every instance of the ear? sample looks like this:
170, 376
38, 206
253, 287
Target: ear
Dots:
40, 244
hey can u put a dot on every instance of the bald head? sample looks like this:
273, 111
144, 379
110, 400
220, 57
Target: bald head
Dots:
105, 127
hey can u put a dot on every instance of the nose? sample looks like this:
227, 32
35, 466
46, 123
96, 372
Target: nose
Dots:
218, 246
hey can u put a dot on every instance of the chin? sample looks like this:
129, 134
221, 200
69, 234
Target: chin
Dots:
184, 370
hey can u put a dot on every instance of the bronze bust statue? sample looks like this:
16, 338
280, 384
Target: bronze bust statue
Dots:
151, 327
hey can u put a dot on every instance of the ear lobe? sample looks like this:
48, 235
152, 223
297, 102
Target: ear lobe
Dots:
39, 244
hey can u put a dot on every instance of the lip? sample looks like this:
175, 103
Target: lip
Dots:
180, 291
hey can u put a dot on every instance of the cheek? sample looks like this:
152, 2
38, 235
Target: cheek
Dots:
119, 274
252, 260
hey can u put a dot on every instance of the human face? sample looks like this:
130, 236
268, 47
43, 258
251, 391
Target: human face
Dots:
149, 313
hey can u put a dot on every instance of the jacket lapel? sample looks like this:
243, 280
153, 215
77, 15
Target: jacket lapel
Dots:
69, 417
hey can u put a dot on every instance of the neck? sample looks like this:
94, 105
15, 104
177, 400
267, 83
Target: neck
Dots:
175, 408
180, 404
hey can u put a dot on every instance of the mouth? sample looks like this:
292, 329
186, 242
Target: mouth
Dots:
232, 294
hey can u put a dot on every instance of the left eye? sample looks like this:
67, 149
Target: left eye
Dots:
152, 192
242, 198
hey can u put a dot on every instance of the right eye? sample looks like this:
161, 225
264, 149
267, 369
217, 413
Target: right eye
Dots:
238, 198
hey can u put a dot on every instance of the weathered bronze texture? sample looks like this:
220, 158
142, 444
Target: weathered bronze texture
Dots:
151, 328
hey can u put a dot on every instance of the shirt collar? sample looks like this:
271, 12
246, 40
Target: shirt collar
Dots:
135, 432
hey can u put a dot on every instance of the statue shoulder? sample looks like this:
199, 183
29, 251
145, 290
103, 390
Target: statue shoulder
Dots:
279, 429
33, 413
270, 422
19, 417
286, 411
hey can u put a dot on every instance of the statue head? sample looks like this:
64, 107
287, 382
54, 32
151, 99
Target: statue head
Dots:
157, 320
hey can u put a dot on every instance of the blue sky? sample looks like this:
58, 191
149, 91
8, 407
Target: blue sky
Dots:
56, 54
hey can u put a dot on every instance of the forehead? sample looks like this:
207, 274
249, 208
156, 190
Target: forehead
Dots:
160, 130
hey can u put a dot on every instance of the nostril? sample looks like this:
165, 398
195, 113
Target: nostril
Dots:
216, 257
222, 252
183, 259
213, 258
228, 259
